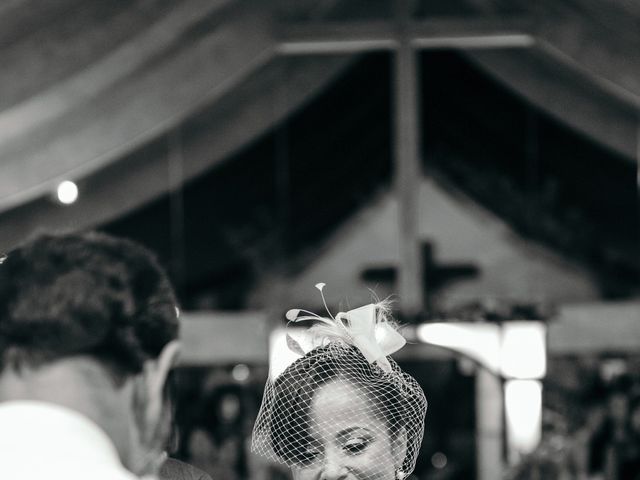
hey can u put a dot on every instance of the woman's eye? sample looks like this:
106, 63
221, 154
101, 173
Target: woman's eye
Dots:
356, 445
307, 456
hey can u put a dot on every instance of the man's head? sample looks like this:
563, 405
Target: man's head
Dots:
89, 321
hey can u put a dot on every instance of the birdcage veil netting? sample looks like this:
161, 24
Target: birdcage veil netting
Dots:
377, 394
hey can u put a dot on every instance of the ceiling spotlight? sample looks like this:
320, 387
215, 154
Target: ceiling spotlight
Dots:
67, 192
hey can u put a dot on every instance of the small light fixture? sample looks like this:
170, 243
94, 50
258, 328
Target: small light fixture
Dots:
439, 460
67, 192
240, 372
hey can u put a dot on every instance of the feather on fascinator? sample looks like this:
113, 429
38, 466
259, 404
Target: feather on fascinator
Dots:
368, 328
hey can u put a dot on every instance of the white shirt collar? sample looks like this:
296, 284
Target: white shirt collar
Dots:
38, 438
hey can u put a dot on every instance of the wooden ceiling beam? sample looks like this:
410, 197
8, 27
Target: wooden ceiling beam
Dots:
445, 32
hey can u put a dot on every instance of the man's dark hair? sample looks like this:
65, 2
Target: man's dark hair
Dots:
84, 294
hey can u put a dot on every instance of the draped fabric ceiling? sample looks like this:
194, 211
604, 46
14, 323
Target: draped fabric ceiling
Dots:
87, 85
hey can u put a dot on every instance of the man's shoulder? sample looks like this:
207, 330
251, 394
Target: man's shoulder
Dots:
174, 469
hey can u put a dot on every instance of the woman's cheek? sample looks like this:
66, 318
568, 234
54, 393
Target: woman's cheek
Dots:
304, 473
374, 464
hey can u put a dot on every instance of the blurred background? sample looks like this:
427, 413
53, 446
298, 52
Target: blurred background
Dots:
476, 159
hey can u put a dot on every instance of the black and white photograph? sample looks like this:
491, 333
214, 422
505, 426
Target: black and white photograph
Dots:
320, 239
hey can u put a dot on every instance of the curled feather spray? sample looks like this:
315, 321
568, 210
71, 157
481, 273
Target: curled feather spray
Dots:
369, 328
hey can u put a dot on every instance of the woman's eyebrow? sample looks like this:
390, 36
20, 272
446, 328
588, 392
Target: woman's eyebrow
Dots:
348, 431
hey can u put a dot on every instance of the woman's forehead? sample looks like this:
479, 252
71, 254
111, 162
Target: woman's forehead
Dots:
341, 402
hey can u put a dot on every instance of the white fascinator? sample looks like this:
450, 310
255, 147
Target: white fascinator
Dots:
345, 394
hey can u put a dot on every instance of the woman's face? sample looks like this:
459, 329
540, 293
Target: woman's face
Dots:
348, 442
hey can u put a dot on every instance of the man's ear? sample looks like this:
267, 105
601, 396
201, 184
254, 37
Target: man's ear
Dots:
399, 447
149, 409
157, 371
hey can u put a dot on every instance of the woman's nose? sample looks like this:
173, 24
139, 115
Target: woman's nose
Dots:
334, 467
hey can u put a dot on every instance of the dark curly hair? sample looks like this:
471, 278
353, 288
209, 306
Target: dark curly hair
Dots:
395, 395
84, 294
